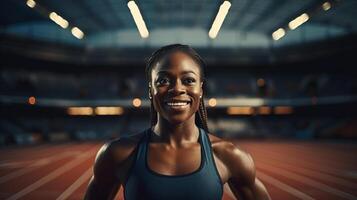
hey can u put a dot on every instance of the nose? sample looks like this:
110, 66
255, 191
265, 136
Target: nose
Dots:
177, 88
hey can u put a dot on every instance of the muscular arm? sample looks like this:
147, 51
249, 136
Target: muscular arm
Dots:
110, 168
103, 184
242, 178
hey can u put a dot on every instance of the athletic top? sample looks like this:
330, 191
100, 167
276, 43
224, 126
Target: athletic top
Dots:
144, 183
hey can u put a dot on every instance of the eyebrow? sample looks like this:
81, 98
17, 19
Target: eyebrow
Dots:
184, 72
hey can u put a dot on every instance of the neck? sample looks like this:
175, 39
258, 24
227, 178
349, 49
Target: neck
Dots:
176, 135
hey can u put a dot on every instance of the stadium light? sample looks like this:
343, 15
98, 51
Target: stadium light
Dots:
298, 21
58, 20
109, 110
218, 21
212, 102
31, 3
136, 102
326, 6
76, 32
32, 100
237, 110
278, 34
138, 19
80, 111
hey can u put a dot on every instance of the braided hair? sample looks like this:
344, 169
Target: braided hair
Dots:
201, 114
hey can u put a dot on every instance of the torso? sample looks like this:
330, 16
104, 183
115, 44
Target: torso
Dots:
185, 172
165, 160
169, 161
228, 166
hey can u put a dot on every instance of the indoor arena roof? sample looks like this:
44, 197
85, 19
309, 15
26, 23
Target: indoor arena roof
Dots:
109, 23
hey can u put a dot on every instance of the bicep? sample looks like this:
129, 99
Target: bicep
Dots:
99, 190
243, 181
103, 184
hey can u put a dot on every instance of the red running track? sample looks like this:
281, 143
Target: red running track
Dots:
290, 170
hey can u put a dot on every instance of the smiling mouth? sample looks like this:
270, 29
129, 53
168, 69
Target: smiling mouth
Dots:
177, 104
180, 104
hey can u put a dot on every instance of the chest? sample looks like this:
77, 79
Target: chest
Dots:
174, 161
164, 173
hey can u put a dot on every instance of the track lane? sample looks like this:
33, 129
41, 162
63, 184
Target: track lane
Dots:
13, 186
63, 177
279, 166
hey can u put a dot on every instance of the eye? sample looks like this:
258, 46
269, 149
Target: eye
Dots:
189, 80
162, 81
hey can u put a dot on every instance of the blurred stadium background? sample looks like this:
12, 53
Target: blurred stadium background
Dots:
280, 77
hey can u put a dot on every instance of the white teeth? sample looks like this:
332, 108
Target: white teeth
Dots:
177, 103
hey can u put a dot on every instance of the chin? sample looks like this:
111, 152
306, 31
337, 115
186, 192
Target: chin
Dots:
175, 120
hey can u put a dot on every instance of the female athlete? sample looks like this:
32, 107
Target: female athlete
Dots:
177, 157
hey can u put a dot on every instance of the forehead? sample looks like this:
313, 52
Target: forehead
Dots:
176, 63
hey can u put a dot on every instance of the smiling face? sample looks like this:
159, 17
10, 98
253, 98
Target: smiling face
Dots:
176, 87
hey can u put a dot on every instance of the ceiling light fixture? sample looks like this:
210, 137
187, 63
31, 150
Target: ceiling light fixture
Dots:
80, 111
326, 6
58, 20
278, 34
31, 3
78, 33
218, 21
139, 21
102, 110
298, 21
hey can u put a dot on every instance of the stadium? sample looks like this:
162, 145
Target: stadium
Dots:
281, 84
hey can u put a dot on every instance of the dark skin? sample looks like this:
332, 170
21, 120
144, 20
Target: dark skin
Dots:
174, 148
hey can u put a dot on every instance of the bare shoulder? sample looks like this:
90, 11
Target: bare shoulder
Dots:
227, 149
238, 162
120, 149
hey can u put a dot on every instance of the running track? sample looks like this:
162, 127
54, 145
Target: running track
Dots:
290, 170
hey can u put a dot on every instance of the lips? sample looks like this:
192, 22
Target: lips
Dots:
177, 103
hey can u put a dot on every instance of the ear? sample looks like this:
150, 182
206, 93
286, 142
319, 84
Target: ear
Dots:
150, 97
201, 93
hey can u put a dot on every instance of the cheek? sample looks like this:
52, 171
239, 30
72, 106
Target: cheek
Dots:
196, 93
196, 103
156, 96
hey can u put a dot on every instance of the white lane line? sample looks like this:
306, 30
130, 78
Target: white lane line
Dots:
337, 152
310, 165
33, 162
306, 171
35, 166
17, 164
83, 178
35, 151
9, 151
307, 181
53, 175
287, 188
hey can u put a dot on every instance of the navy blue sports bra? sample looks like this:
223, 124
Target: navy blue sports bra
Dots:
144, 183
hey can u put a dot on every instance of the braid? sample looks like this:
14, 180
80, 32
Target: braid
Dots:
201, 120
153, 115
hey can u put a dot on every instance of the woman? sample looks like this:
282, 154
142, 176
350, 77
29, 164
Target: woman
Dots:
176, 158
